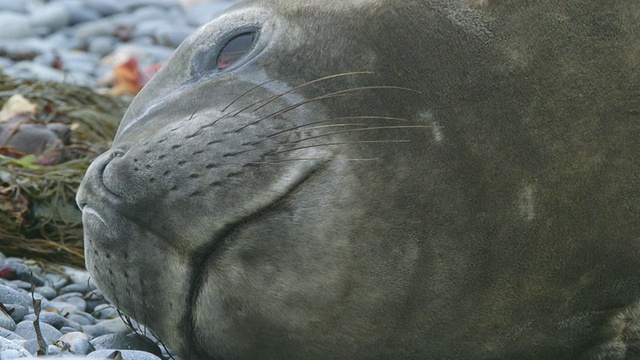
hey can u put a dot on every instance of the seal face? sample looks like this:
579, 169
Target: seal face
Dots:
377, 179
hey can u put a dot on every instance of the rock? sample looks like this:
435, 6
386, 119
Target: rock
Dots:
6, 322
16, 145
13, 6
56, 320
74, 299
135, 4
10, 345
132, 341
26, 330
106, 8
10, 354
11, 296
15, 25
102, 27
51, 16
47, 291
61, 40
105, 311
56, 281
77, 342
101, 45
78, 276
112, 326
125, 355
6, 334
78, 61
61, 307
79, 12
75, 288
18, 312
82, 318
201, 14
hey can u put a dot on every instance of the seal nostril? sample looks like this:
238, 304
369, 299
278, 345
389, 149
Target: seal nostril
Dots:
81, 204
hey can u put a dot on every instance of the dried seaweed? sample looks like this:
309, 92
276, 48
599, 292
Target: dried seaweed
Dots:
38, 215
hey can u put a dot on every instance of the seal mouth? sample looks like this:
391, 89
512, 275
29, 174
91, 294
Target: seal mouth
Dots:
220, 239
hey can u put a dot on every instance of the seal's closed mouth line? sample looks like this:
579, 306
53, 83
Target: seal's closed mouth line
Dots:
209, 252
90, 211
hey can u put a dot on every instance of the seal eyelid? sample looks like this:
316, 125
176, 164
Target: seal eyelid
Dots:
235, 49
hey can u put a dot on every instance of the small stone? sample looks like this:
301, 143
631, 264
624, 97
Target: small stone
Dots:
77, 276
53, 350
51, 16
6, 322
78, 62
10, 345
126, 342
56, 281
105, 311
73, 298
24, 272
55, 320
61, 40
88, 30
74, 288
8, 272
101, 45
47, 291
125, 355
66, 330
61, 307
93, 302
13, 5
26, 330
79, 12
77, 342
18, 312
112, 326
15, 26
201, 14
11, 296
82, 318
174, 35
19, 283
106, 8
11, 354
6, 334
136, 4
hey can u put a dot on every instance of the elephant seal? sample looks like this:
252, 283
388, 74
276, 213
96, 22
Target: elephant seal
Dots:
382, 179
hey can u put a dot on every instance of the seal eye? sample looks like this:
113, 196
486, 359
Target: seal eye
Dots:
234, 50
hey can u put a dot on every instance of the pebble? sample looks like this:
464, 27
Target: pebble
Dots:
15, 26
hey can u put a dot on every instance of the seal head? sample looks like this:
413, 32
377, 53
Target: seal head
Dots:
375, 179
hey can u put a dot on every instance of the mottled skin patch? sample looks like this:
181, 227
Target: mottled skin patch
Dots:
383, 179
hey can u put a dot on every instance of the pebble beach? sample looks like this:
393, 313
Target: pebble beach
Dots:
81, 42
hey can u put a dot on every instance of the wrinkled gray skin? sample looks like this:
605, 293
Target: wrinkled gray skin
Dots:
289, 208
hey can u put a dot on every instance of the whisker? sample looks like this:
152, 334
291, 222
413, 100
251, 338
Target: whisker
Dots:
244, 94
309, 125
359, 130
345, 92
339, 143
307, 159
308, 83
270, 99
195, 111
